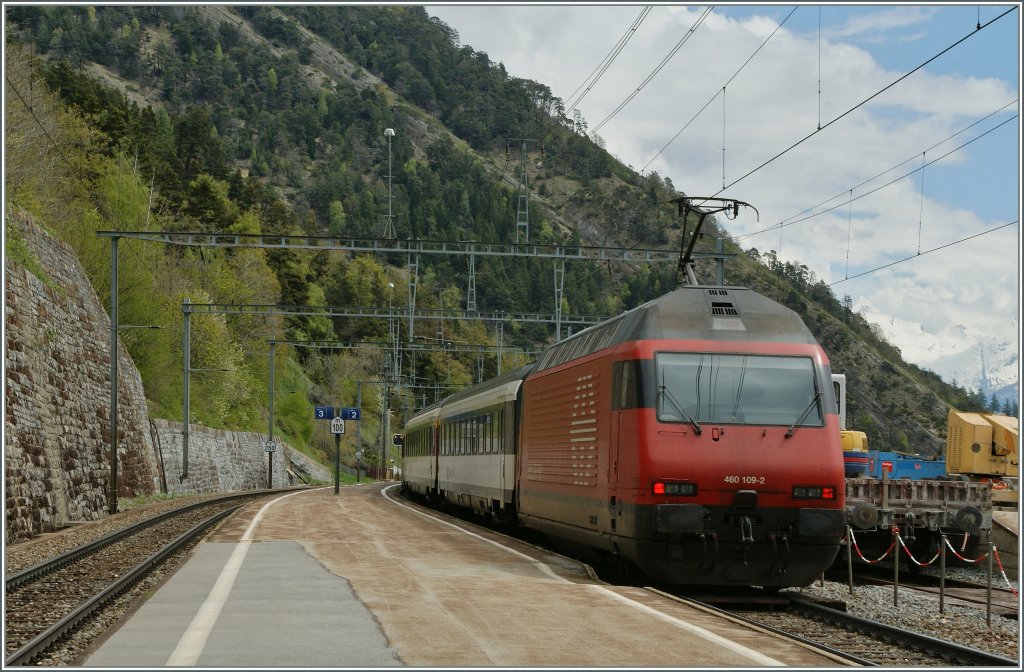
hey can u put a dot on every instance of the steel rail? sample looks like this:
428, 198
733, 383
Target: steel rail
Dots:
52, 634
949, 650
35, 572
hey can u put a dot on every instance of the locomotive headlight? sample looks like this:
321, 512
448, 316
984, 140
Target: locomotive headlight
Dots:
674, 489
814, 492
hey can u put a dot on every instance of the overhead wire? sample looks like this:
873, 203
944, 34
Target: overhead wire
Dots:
919, 254
603, 66
787, 222
863, 102
81, 60
855, 107
656, 70
56, 147
717, 92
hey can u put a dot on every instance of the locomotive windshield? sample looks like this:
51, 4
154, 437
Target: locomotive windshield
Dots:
737, 389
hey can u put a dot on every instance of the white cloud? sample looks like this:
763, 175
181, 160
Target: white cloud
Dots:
874, 23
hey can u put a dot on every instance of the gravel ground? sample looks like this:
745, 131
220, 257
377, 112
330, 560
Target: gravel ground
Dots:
30, 553
963, 625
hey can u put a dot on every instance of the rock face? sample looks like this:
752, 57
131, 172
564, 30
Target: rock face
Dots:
57, 409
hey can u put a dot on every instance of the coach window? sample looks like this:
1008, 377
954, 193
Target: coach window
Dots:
490, 433
490, 429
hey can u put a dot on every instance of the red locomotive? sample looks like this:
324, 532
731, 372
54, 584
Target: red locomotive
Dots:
695, 437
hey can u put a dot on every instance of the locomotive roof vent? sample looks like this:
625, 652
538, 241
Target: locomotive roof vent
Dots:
724, 314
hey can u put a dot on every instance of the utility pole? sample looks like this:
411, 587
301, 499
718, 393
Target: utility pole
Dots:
523, 202
112, 503
389, 228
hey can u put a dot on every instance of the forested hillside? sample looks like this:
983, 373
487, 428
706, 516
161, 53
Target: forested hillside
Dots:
271, 120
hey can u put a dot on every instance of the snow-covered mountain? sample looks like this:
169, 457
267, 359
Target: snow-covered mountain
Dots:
988, 366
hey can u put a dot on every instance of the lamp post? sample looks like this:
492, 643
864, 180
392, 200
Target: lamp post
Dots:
389, 378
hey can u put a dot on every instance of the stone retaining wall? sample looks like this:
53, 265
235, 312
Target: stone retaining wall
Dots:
57, 408
57, 396
220, 461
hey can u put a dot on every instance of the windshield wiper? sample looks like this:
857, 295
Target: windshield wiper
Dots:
792, 428
686, 416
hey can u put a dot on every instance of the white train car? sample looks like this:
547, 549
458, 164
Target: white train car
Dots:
477, 445
419, 452
476, 432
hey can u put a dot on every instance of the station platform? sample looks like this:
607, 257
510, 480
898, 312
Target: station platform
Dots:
364, 579
1005, 535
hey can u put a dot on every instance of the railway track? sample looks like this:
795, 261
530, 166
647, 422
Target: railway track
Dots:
55, 608
859, 640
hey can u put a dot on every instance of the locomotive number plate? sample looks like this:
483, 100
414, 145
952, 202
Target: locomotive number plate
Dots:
745, 480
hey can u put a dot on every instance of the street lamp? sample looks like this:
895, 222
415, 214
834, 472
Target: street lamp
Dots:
391, 376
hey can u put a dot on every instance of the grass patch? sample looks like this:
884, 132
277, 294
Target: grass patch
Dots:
18, 252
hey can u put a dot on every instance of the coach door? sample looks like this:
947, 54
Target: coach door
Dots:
435, 448
623, 397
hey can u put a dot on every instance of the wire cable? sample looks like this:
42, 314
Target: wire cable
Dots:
719, 91
888, 170
608, 60
920, 254
81, 60
879, 188
876, 94
864, 102
656, 70
43, 128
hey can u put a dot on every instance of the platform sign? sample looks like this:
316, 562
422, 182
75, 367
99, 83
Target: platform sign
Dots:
350, 413
323, 412
337, 426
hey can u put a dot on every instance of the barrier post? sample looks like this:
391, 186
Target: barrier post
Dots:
942, 574
896, 568
849, 556
337, 462
988, 589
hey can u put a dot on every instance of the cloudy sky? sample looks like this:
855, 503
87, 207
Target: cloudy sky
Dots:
931, 160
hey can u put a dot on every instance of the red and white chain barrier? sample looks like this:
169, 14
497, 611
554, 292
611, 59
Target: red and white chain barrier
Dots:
999, 561
896, 538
